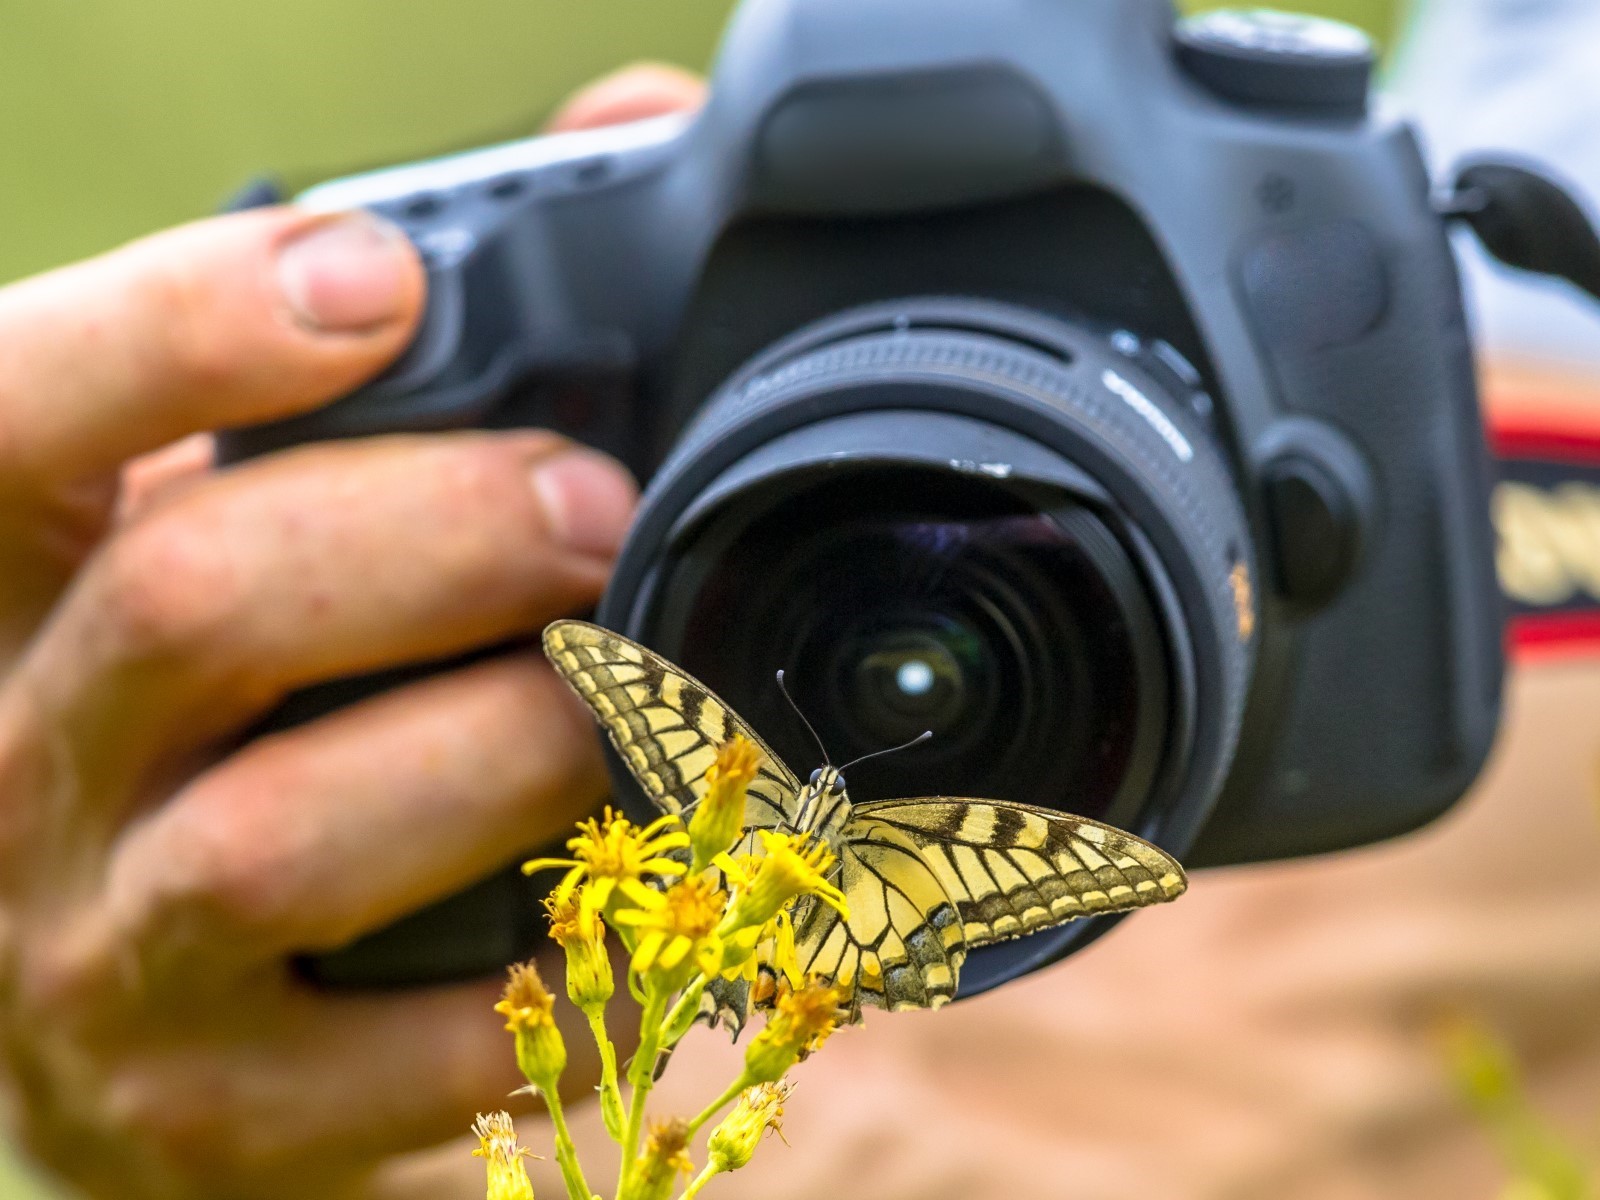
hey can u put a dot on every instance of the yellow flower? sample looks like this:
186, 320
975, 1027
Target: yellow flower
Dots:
771, 946
498, 1146
677, 931
781, 956
718, 819
791, 865
802, 1020
760, 1110
614, 855
665, 1157
576, 928
528, 1008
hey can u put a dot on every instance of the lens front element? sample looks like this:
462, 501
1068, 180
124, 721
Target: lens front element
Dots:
910, 673
1008, 621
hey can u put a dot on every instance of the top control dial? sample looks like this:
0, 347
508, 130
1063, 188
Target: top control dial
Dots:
1279, 60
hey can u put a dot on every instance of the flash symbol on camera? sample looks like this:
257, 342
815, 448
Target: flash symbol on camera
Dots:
1244, 597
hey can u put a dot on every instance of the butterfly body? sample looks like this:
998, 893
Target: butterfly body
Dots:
823, 807
926, 879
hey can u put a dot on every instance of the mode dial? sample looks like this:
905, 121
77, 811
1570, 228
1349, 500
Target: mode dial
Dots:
1279, 60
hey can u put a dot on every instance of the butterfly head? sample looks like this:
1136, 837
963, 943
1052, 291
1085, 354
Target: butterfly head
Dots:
827, 781
820, 800
823, 798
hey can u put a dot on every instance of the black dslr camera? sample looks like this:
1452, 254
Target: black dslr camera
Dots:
1085, 385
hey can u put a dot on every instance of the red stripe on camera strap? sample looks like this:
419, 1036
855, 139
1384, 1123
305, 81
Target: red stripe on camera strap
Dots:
1546, 438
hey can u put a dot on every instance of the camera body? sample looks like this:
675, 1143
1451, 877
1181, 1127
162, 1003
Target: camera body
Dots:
1179, 272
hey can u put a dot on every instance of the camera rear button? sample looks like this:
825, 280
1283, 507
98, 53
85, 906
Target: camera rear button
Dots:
1315, 527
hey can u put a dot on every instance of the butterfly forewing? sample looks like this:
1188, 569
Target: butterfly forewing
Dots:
1011, 869
666, 725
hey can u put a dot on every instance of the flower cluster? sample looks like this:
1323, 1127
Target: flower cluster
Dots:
691, 906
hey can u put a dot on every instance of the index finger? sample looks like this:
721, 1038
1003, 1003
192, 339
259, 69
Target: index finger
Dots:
224, 322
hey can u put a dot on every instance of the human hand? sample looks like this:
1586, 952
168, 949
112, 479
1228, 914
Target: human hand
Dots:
156, 876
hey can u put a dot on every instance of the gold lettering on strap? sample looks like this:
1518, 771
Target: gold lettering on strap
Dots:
1549, 547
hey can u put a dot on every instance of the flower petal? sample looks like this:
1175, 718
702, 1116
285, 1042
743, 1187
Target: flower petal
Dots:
649, 951
834, 899
641, 895
656, 826
708, 957
598, 894
674, 952
545, 864
663, 866
724, 862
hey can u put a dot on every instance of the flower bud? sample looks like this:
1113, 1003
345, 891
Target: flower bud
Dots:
665, 1157
760, 1110
498, 1147
801, 1022
791, 865
718, 819
577, 929
529, 1009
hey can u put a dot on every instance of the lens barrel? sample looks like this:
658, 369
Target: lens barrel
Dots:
964, 517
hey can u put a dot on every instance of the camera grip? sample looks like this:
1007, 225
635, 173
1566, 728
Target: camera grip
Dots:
464, 357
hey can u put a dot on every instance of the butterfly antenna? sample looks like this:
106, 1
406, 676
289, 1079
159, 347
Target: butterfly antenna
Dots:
924, 736
782, 687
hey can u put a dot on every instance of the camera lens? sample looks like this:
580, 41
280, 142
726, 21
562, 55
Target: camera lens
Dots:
961, 516
1009, 622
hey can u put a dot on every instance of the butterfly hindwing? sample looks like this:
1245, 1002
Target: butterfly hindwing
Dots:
902, 945
666, 725
1011, 869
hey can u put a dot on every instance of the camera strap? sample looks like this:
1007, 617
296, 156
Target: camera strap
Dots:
1546, 438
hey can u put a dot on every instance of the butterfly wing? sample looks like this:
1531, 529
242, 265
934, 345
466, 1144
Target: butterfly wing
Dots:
1011, 869
666, 725
902, 945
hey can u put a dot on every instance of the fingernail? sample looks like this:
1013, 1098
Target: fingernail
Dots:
348, 274
588, 500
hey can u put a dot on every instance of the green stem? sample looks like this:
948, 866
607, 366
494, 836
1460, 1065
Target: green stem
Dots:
642, 1074
721, 1102
699, 1181
681, 1019
566, 1152
610, 1092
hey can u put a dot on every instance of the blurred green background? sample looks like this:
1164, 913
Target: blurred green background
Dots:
122, 117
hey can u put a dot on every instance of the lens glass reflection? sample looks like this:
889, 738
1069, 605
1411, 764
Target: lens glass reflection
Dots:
1013, 625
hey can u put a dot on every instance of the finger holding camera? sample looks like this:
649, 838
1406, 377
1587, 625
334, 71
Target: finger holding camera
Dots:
156, 874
